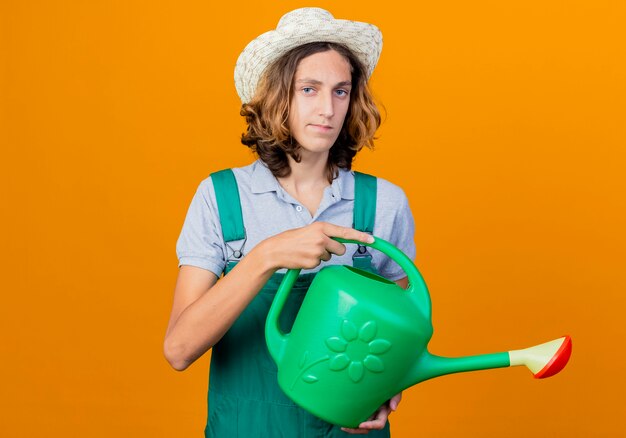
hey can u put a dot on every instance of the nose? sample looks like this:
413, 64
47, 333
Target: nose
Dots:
326, 105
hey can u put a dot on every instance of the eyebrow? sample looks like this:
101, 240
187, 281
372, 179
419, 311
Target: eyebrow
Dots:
316, 82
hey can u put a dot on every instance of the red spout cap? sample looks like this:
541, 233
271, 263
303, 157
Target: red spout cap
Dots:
558, 361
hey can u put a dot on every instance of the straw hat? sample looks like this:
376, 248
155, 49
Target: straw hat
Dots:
298, 27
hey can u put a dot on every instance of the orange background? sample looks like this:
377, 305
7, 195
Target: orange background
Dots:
505, 126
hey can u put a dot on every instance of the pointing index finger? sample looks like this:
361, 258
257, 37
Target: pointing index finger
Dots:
333, 230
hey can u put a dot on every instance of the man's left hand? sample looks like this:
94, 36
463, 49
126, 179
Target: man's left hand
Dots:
379, 419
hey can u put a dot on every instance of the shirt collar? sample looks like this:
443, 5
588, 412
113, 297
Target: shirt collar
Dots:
264, 181
343, 185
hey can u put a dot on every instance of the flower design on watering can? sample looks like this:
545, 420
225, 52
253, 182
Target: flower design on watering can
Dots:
357, 349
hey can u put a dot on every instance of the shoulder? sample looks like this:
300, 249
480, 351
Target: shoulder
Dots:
390, 193
389, 196
384, 187
392, 207
243, 176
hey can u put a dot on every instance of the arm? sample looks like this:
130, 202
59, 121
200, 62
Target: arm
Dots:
403, 282
204, 308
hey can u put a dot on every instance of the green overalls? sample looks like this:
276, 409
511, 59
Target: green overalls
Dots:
244, 397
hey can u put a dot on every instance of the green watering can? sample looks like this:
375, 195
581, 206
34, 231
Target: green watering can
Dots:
359, 339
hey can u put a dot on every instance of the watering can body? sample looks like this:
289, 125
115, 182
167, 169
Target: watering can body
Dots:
359, 339
344, 343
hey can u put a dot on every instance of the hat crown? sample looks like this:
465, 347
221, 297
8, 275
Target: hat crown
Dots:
304, 14
299, 27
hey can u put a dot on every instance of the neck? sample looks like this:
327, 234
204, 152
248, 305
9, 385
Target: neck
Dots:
309, 173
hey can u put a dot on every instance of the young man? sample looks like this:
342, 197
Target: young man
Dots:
305, 98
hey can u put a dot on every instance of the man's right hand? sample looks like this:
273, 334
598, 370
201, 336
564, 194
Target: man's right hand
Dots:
306, 247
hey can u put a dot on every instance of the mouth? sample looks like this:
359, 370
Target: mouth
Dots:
323, 128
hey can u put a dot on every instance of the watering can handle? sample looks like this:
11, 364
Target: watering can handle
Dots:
277, 340
416, 281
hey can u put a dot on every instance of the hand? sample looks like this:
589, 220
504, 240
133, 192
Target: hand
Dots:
379, 419
306, 247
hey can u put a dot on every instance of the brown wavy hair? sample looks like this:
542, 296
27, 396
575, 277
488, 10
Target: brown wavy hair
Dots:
267, 114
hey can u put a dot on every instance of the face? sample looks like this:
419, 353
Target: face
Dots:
320, 101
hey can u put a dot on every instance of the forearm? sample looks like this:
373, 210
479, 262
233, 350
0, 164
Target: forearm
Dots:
205, 315
203, 323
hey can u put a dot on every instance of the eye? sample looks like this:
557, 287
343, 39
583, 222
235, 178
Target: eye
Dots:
342, 93
308, 90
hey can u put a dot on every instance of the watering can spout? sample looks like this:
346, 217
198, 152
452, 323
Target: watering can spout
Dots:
431, 366
543, 360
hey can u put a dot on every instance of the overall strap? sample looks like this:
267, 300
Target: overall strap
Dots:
365, 187
364, 215
229, 207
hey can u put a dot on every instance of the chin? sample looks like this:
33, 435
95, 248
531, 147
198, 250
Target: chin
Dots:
315, 151
318, 147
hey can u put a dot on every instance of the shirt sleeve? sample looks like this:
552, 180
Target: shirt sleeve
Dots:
200, 242
399, 231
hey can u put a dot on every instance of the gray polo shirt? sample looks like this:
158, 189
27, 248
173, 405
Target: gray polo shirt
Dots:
268, 210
